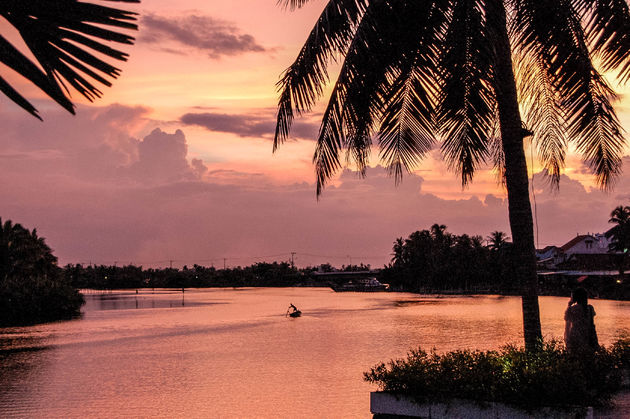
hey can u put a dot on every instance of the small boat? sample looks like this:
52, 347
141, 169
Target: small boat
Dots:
361, 285
296, 313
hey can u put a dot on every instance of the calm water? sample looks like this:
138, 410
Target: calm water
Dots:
233, 353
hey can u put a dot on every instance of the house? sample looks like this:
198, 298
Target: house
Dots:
591, 244
583, 249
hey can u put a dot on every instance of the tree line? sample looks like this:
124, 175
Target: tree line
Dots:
276, 274
437, 260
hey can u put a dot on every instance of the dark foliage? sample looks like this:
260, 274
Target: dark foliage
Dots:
548, 377
620, 237
436, 260
111, 277
70, 42
32, 289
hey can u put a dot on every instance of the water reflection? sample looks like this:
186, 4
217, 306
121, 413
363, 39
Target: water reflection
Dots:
139, 300
228, 353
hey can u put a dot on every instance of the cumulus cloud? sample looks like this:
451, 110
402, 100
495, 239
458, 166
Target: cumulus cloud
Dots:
98, 145
214, 37
248, 125
88, 146
162, 158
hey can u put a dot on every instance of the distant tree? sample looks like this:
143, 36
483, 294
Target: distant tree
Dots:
65, 37
620, 235
32, 288
497, 240
398, 251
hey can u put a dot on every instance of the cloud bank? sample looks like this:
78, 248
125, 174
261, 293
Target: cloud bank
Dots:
248, 125
214, 37
106, 186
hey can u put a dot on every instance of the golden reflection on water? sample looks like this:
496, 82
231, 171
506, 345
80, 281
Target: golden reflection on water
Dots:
233, 353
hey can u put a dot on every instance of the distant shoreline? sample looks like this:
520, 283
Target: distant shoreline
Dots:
88, 291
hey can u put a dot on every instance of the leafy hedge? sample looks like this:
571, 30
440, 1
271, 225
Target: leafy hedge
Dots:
549, 377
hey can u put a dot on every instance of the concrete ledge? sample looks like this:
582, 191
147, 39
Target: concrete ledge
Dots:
390, 405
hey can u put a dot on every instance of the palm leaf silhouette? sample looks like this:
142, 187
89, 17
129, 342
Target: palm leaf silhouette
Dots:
67, 39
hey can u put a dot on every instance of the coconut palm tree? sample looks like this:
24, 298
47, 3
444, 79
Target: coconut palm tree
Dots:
497, 240
66, 37
416, 74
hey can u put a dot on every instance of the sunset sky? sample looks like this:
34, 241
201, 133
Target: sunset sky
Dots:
175, 161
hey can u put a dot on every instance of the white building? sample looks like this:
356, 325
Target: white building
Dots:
586, 244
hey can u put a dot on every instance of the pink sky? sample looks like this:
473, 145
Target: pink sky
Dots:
175, 162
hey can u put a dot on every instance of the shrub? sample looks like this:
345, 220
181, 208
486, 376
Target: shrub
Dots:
548, 377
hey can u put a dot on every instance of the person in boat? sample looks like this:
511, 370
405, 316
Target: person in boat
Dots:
292, 309
580, 336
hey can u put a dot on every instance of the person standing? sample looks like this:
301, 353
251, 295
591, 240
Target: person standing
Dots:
579, 333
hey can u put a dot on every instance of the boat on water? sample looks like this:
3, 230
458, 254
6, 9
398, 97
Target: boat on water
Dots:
293, 311
361, 285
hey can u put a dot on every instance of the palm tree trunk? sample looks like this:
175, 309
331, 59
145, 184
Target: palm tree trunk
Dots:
516, 178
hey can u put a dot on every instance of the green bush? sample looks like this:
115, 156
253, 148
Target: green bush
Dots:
548, 377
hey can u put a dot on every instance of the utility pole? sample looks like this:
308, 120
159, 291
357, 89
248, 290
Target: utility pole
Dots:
224, 266
170, 264
292, 264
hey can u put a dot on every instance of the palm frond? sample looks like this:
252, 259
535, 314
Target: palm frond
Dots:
608, 32
303, 82
407, 127
552, 33
292, 4
63, 36
14, 59
329, 142
466, 111
387, 41
348, 119
598, 132
543, 114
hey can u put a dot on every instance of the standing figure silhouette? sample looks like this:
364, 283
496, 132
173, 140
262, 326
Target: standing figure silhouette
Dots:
579, 333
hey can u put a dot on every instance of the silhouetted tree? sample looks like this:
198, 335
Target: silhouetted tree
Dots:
438, 260
620, 235
31, 286
418, 70
497, 240
65, 37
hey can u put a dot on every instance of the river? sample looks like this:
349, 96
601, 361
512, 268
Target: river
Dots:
232, 353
